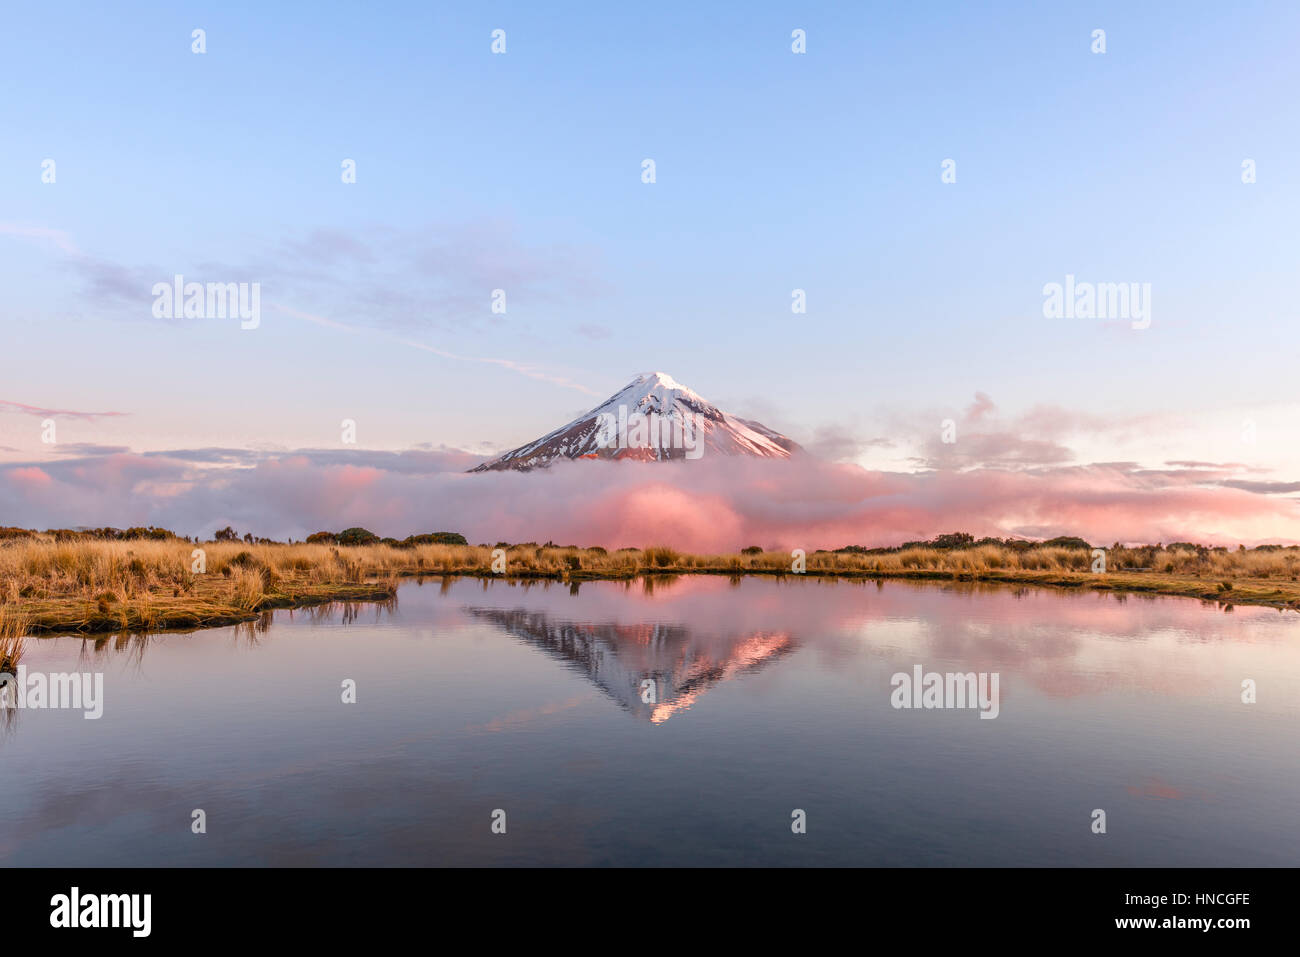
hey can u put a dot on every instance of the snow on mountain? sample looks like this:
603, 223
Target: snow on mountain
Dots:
653, 418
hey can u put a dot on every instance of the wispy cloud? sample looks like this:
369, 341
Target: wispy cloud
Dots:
526, 369
41, 235
23, 408
388, 282
1263, 488
440, 277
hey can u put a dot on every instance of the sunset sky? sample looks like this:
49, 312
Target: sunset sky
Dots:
774, 171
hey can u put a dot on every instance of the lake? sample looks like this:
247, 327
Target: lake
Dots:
671, 722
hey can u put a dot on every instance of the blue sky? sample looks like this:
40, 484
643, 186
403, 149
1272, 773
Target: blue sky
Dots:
775, 171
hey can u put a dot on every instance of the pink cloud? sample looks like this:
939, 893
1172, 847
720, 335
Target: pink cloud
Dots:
30, 478
710, 505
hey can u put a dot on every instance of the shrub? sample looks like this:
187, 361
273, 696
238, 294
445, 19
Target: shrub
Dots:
438, 538
1065, 541
357, 536
150, 533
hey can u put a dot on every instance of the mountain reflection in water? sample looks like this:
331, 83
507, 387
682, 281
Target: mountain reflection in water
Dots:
652, 670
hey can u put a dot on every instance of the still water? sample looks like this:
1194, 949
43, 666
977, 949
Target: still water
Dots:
671, 722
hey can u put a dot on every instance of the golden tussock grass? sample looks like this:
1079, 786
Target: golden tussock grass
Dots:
95, 585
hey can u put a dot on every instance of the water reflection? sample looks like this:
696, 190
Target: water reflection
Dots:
475, 695
346, 612
652, 670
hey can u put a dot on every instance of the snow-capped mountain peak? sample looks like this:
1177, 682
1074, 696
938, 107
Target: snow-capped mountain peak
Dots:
653, 418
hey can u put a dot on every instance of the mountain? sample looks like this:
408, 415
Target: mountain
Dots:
653, 418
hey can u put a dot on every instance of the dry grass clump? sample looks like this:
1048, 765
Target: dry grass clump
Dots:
13, 633
661, 557
247, 587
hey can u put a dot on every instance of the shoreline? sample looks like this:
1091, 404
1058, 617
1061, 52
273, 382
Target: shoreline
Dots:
191, 612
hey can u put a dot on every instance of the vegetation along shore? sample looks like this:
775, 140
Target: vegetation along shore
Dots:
149, 579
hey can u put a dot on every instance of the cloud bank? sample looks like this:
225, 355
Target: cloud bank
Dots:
718, 504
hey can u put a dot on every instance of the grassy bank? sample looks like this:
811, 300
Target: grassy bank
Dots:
142, 585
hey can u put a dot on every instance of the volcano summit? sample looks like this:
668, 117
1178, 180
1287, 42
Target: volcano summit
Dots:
653, 418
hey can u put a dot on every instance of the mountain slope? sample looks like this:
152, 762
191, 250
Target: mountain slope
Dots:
653, 418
